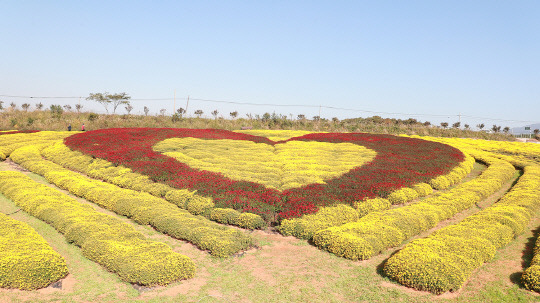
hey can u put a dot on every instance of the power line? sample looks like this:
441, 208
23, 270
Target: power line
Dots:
289, 105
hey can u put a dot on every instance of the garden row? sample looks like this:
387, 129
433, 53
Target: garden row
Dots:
126, 178
27, 261
378, 231
445, 260
141, 207
103, 239
332, 216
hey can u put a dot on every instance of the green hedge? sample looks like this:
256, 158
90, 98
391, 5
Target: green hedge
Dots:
104, 239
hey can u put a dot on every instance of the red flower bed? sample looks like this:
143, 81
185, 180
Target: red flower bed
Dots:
19, 132
400, 162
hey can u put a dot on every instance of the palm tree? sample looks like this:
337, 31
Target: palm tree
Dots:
480, 126
25, 106
214, 113
198, 113
444, 124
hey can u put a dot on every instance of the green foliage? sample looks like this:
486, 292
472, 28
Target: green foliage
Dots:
92, 117
56, 111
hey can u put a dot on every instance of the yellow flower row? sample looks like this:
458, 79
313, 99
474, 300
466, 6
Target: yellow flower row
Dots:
142, 207
308, 225
9, 143
380, 230
27, 261
275, 134
103, 239
281, 166
126, 178
446, 259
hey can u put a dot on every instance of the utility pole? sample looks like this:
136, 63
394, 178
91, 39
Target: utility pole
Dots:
459, 118
187, 104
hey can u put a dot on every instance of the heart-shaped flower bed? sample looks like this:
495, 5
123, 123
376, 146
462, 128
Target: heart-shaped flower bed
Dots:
399, 162
280, 166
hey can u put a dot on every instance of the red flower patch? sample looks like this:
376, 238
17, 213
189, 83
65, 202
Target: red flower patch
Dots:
400, 162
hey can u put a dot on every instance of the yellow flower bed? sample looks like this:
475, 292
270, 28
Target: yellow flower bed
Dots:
9, 143
380, 230
276, 134
446, 259
103, 239
142, 207
126, 178
308, 225
27, 261
282, 166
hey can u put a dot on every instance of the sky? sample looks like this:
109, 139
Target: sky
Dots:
437, 61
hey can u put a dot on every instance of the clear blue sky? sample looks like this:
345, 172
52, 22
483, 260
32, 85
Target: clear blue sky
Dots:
475, 58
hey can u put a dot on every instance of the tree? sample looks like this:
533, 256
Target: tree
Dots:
198, 113
67, 107
181, 111
118, 99
427, 123
536, 131
467, 126
316, 118
335, 120
129, 108
506, 129
480, 126
56, 111
233, 114
456, 125
301, 117
105, 99
215, 113
13, 105
39, 106
162, 111
444, 124
496, 128
78, 107
1, 105
146, 110
25, 106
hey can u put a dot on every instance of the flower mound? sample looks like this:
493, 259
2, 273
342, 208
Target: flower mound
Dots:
400, 162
